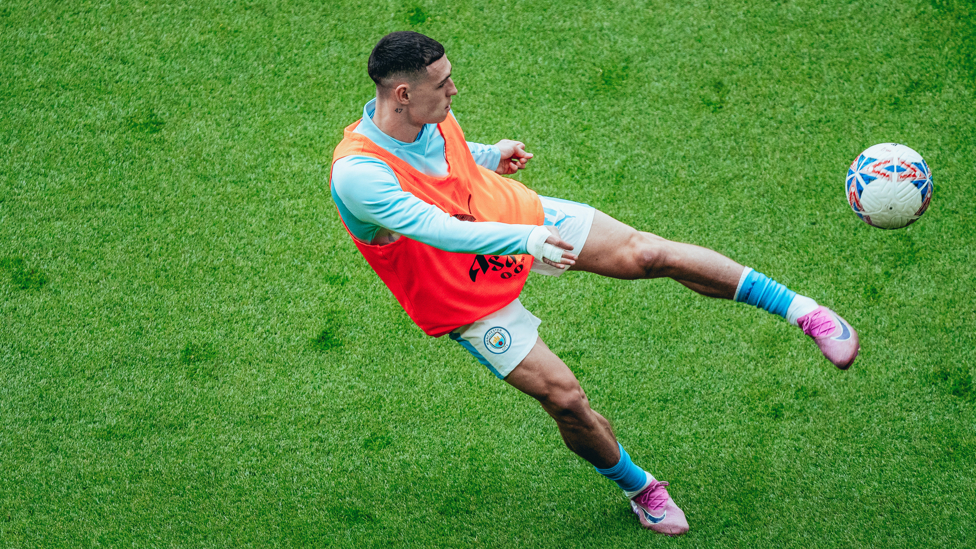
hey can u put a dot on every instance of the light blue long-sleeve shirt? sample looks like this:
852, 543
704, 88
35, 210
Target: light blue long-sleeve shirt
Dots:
369, 196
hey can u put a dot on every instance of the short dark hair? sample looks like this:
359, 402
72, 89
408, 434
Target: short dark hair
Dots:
402, 53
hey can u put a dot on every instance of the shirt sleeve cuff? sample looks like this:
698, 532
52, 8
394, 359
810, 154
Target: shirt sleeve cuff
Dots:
493, 157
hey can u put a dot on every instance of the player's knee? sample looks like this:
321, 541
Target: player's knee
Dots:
650, 253
567, 404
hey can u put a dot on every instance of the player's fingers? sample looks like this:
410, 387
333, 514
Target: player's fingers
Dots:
556, 255
566, 259
558, 242
556, 265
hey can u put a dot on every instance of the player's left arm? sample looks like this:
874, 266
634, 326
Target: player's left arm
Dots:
505, 157
486, 156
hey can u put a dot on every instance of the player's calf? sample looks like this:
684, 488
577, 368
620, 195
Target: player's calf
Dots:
585, 432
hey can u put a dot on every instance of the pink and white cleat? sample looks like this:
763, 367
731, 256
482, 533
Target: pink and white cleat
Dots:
836, 338
657, 511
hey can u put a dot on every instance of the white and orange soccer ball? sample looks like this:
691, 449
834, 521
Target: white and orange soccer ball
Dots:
889, 186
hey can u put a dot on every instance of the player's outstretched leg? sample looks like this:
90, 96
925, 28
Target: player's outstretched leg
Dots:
543, 376
616, 250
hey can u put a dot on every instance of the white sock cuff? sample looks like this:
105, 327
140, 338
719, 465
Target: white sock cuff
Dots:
745, 273
800, 307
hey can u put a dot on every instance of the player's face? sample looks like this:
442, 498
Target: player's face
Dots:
431, 98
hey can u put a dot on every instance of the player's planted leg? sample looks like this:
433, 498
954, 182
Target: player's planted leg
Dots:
616, 250
543, 376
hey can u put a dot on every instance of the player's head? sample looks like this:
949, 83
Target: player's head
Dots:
411, 70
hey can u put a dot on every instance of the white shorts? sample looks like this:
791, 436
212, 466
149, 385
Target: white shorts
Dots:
502, 339
573, 220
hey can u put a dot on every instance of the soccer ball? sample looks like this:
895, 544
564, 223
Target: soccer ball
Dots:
889, 186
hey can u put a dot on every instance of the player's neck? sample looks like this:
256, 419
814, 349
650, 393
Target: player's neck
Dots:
394, 124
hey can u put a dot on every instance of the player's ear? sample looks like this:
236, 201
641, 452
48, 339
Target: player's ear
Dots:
401, 93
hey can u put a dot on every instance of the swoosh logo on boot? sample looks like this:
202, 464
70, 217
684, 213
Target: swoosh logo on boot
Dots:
651, 518
846, 334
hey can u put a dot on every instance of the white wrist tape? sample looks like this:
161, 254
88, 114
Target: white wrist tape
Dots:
536, 239
552, 253
537, 246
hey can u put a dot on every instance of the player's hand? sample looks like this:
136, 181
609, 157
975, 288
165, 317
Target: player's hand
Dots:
568, 259
513, 158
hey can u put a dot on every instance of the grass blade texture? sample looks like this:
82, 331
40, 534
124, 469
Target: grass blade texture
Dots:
194, 354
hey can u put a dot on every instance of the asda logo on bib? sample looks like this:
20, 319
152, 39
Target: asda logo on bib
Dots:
506, 267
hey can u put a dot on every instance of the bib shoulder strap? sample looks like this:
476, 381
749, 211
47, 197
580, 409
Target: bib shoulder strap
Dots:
451, 130
352, 143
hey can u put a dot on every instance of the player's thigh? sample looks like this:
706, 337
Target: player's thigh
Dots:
618, 250
545, 377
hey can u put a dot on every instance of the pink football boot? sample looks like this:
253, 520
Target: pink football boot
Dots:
835, 337
657, 511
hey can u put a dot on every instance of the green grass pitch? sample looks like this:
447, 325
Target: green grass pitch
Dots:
193, 354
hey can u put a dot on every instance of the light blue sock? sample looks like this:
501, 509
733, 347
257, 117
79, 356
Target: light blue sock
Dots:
628, 476
761, 291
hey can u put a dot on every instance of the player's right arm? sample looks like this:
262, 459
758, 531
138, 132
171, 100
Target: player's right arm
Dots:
372, 204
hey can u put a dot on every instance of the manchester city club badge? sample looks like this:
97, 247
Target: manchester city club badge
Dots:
498, 340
